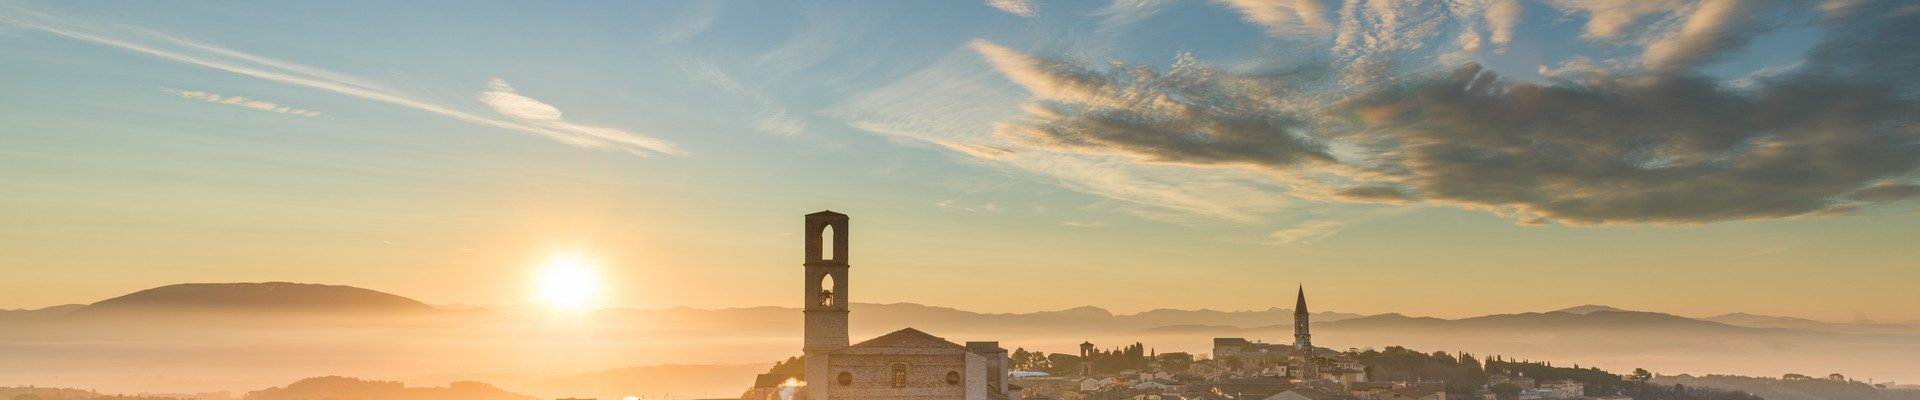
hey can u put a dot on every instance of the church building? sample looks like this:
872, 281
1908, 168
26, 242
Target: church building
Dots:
905, 364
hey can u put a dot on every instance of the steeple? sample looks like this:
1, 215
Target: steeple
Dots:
1300, 303
1301, 338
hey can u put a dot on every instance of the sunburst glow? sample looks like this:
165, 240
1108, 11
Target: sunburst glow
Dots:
569, 284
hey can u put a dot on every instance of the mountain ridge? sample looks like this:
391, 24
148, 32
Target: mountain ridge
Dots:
487, 340
344, 299
250, 298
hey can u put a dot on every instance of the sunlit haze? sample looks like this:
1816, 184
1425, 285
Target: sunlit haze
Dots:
570, 284
661, 199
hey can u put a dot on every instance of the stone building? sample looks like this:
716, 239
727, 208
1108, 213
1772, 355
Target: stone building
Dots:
1565, 388
1251, 355
905, 364
1521, 380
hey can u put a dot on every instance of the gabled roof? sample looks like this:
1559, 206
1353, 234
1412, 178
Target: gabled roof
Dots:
908, 338
1371, 385
827, 213
1318, 394
1415, 392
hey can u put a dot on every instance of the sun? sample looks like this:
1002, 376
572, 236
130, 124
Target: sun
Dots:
569, 284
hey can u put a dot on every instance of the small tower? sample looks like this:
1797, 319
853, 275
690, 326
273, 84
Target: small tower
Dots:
1301, 338
825, 287
1086, 359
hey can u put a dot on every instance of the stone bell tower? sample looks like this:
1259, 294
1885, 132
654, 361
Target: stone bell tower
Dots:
826, 283
1302, 337
1086, 359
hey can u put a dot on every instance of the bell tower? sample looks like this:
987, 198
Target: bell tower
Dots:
1086, 359
1302, 338
826, 283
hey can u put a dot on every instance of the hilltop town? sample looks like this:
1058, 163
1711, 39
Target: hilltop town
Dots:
911, 364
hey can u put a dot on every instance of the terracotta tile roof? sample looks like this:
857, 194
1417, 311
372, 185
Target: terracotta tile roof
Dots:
908, 338
1416, 392
1317, 394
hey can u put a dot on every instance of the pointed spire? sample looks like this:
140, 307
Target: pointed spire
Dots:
1300, 303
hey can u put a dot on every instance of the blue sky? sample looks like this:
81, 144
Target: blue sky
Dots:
1061, 148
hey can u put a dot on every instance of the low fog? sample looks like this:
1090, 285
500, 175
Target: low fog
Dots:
690, 352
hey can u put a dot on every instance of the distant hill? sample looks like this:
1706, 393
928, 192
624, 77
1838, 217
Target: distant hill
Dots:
1551, 321
1587, 309
136, 342
1769, 321
1792, 389
1555, 323
279, 298
943, 319
40, 314
1597, 319
339, 387
47, 393
1192, 329
1388, 320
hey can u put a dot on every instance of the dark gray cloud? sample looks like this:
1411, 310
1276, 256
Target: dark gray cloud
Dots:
1663, 149
1656, 145
1191, 114
1886, 193
1376, 194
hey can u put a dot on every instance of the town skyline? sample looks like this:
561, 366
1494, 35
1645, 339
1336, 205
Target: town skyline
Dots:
1597, 336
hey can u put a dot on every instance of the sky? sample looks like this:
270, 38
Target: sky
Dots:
1445, 158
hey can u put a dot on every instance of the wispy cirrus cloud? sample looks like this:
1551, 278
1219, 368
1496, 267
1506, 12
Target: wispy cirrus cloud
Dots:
1610, 19
1306, 232
171, 48
529, 112
1121, 13
504, 100
242, 101
1024, 8
772, 115
1283, 17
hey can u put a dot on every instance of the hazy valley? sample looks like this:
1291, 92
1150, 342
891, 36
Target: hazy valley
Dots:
244, 337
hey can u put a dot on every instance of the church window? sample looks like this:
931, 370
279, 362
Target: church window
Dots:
953, 378
826, 290
827, 244
845, 378
899, 375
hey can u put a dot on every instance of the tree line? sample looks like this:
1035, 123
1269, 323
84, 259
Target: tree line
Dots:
1465, 374
1135, 356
